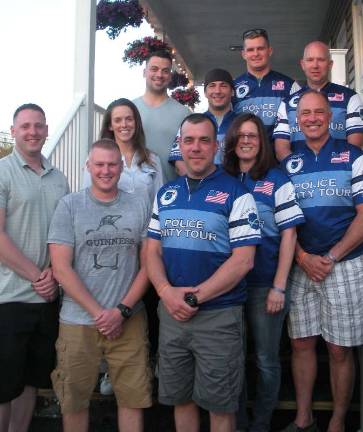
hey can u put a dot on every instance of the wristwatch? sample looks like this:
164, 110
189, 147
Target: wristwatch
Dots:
191, 299
126, 311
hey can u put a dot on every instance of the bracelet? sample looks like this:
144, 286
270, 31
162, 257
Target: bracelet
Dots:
279, 290
162, 289
300, 257
332, 257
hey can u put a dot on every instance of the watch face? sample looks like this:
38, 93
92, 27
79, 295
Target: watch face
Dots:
126, 312
191, 299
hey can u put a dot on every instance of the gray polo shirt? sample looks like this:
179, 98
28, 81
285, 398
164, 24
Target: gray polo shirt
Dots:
29, 201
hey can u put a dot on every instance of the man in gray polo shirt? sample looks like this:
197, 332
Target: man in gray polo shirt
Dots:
30, 189
97, 246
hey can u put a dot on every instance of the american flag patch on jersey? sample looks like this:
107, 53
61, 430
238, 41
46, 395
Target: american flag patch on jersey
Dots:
216, 197
264, 187
339, 157
278, 85
336, 97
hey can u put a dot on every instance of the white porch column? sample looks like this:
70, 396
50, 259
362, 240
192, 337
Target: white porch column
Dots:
338, 72
357, 18
84, 69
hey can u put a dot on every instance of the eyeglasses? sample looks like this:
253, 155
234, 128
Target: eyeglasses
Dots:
248, 137
255, 32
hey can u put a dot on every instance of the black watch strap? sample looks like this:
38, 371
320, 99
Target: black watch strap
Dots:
126, 311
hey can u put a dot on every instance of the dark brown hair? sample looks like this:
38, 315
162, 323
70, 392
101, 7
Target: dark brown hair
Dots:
138, 140
265, 158
161, 54
196, 118
255, 33
28, 106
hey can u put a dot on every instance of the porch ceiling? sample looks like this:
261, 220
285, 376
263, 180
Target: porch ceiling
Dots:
203, 30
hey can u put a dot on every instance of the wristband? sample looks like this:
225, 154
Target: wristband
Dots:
300, 257
332, 257
279, 290
162, 289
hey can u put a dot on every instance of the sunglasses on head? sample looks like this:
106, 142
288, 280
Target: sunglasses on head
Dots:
255, 32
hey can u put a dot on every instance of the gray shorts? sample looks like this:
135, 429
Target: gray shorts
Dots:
202, 359
332, 308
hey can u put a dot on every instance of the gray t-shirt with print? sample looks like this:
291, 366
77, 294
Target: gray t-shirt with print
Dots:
105, 237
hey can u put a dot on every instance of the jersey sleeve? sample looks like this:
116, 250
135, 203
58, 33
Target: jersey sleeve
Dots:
175, 153
295, 87
287, 211
154, 225
354, 119
244, 225
357, 180
282, 128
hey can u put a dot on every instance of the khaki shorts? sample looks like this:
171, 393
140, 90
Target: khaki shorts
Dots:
80, 349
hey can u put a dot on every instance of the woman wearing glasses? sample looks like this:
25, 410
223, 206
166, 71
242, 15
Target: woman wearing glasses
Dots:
248, 155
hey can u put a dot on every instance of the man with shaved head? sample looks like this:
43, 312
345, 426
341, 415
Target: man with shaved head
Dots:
346, 104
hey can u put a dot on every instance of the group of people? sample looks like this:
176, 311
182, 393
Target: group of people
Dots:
238, 217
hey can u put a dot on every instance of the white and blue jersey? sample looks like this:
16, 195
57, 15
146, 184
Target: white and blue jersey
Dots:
277, 210
175, 153
199, 230
261, 97
328, 187
347, 114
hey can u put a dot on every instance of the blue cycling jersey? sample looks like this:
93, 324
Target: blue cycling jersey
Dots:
329, 186
277, 210
198, 230
261, 97
347, 113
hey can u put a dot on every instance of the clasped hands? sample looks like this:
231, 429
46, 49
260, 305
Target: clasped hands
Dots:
46, 286
109, 323
173, 299
316, 267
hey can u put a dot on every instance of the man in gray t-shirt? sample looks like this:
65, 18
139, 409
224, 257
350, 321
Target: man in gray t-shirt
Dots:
161, 115
97, 243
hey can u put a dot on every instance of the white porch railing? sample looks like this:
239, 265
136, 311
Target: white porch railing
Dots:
97, 121
64, 150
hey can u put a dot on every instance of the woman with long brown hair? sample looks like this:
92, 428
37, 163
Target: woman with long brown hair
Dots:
141, 172
249, 156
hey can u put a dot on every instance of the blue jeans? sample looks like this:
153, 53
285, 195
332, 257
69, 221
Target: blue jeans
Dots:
265, 330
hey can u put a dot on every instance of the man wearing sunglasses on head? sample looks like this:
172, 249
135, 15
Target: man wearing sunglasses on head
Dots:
260, 90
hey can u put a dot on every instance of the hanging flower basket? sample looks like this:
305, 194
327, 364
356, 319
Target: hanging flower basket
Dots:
117, 15
178, 80
137, 51
188, 96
